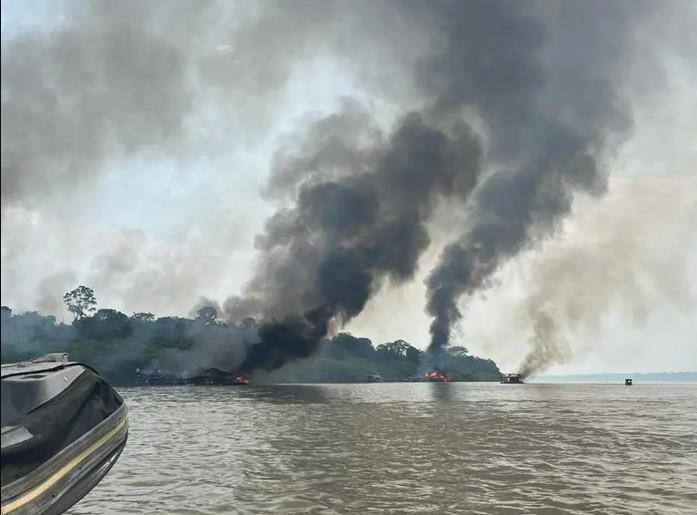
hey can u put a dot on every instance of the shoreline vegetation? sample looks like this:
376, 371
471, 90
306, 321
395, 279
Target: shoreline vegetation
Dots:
117, 345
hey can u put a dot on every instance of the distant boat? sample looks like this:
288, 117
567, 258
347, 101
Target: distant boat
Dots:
512, 379
375, 378
63, 428
628, 382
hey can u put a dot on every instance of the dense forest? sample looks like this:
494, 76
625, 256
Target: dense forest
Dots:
117, 344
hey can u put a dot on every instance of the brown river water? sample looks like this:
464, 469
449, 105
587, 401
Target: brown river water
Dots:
406, 448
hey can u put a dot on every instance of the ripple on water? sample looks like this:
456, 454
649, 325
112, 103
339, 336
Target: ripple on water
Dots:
396, 448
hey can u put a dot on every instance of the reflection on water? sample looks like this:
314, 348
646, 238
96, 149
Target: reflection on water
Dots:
285, 393
442, 392
406, 448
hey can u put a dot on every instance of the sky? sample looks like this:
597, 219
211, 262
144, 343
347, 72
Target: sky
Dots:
170, 214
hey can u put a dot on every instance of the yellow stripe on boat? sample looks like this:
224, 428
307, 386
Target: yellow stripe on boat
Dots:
65, 469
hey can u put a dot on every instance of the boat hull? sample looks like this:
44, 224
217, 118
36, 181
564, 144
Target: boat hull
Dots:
56, 451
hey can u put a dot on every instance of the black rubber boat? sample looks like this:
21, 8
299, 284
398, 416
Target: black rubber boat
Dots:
63, 428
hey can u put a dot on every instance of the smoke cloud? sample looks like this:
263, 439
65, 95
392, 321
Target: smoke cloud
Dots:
620, 256
358, 218
103, 86
549, 92
100, 94
503, 110
49, 287
119, 79
544, 83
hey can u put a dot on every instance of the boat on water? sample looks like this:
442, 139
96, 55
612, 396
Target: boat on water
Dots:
436, 376
218, 377
157, 378
63, 428
207, 377
242, 380
511, 379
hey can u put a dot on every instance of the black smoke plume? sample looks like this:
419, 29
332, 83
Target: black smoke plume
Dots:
548, 91
541, 80
359, 218
505, 110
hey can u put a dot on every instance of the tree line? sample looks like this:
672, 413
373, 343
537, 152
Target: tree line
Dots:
117, 344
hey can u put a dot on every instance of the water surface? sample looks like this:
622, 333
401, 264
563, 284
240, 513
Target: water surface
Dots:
406, 448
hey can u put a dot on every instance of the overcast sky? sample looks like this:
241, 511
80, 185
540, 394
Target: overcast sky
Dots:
171, 217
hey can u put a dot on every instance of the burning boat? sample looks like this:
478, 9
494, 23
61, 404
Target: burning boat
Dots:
63, 428
208, 377
157, 377
217, 377
436, 376
241, 379
512, 379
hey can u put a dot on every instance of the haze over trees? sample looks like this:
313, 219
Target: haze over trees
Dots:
117, 344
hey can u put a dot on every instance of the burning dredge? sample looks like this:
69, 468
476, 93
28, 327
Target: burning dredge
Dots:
512, 379
436, 376
208, 377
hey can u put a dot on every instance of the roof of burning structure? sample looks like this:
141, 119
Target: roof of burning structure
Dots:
215, 372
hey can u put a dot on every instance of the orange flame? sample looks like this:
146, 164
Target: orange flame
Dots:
436, 375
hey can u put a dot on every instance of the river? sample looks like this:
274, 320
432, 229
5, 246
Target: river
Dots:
406, 448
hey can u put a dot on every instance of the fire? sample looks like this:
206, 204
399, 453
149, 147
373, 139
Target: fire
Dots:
436, 376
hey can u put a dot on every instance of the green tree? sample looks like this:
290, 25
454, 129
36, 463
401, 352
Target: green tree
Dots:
207, 315
80, 301
345, 344
458, 351
143, 317
114, 323
413, 354
396, 348
104, 325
